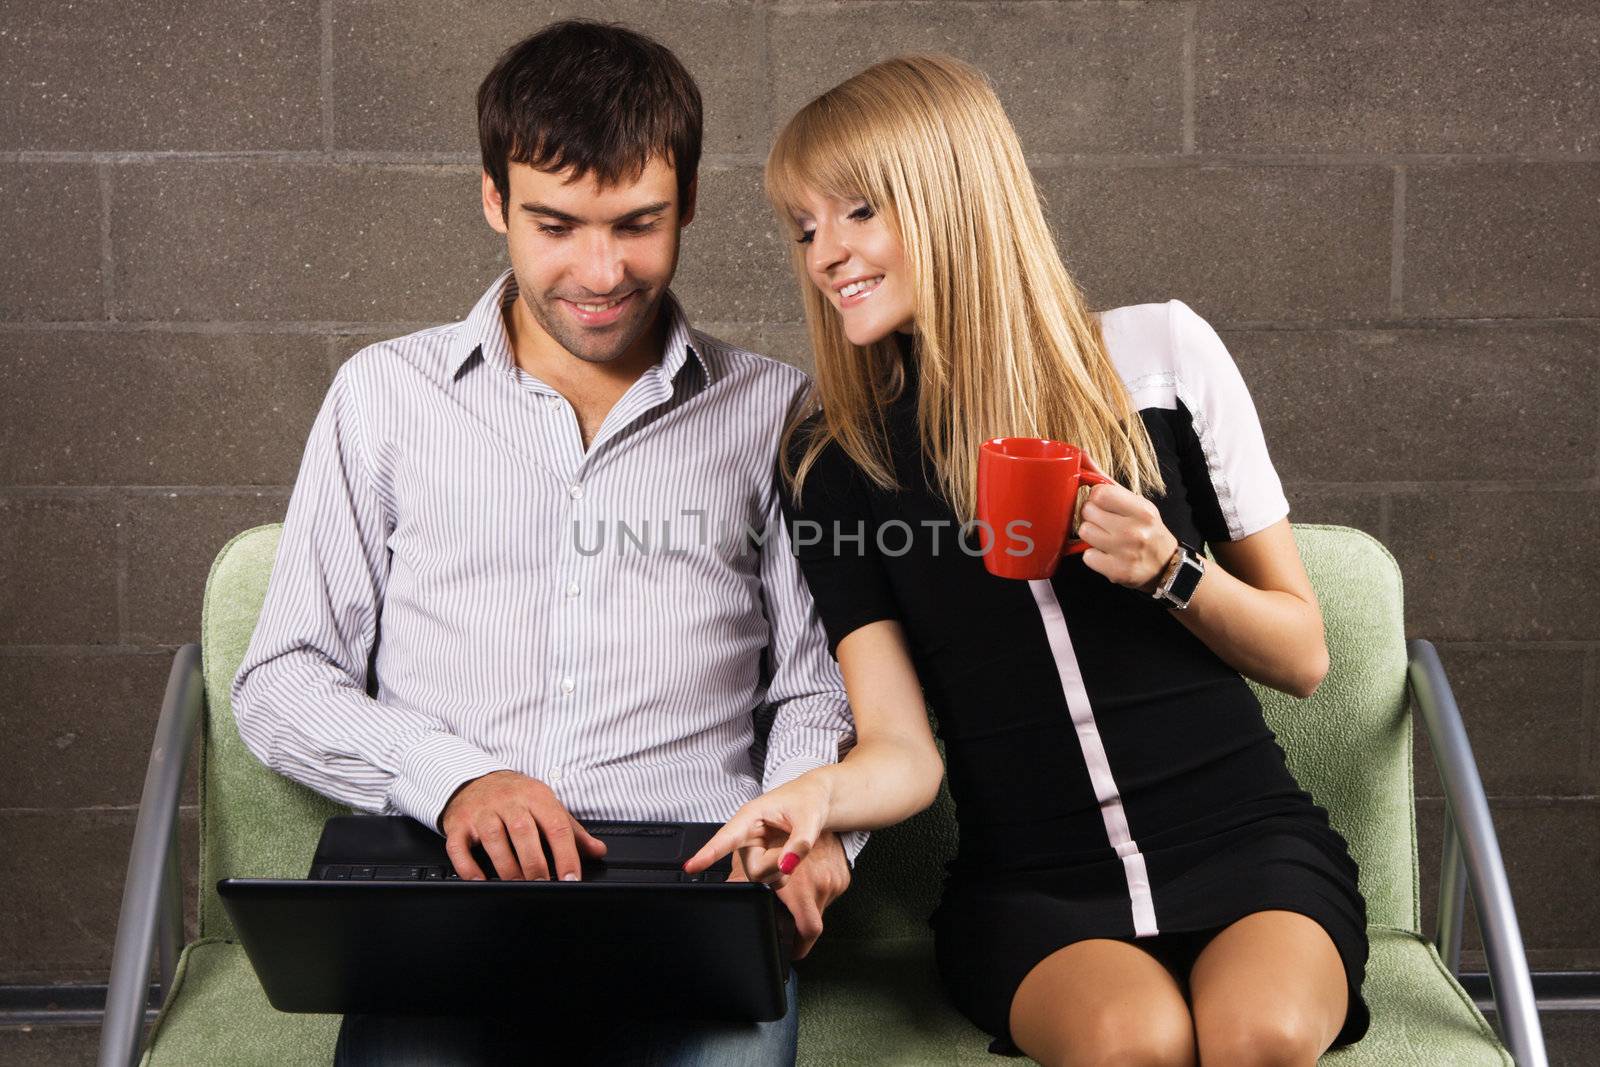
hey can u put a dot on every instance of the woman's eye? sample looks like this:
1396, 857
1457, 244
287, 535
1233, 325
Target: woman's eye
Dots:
805, 237
863, 213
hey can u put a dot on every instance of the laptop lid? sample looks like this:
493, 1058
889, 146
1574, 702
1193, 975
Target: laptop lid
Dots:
618, 944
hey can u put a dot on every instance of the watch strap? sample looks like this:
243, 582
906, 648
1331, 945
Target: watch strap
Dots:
1182, 576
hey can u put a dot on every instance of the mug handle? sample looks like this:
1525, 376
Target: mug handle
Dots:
1087, 474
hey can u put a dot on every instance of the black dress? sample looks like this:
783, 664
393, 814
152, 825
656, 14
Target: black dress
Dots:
1112, 776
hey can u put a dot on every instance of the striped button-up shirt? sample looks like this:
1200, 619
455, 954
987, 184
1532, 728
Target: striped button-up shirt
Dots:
462, 588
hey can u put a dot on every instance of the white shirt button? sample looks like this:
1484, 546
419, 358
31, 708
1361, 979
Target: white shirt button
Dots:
572, 589
575, 491
567, 684
555, 775
553, 401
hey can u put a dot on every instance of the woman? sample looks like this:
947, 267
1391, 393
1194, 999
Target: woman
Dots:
1139, 877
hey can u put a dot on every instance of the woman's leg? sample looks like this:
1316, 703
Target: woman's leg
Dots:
1102, 1002
1269, 989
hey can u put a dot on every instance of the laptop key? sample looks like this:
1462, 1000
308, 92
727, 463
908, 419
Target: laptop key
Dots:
637, 831
362, 873
398, 874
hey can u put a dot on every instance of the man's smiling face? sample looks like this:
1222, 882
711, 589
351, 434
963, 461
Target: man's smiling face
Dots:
592, 263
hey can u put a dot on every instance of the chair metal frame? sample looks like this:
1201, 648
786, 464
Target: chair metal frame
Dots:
151, 919
1471, 860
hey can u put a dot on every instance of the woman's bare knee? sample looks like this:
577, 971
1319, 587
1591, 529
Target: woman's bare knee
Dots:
1102, 1002
1141, 1037
1269, 989
1258, 1039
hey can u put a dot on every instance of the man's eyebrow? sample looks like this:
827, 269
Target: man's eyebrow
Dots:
545, 209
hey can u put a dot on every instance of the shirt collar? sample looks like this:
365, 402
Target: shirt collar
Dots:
483, 333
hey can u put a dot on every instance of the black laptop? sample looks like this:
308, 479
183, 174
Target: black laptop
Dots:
383, 924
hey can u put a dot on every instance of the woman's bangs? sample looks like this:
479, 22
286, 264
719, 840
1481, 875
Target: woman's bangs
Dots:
814, 155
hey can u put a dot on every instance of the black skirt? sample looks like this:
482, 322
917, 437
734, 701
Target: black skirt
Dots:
991, 931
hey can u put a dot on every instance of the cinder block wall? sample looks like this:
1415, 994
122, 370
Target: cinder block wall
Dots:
1390, 211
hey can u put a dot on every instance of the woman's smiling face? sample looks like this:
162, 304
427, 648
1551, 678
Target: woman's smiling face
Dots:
854, 257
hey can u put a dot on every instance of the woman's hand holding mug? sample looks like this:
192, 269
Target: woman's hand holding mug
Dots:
1129, 543
1027, 489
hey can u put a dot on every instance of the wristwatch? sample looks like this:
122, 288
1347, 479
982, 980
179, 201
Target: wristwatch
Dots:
1181, 577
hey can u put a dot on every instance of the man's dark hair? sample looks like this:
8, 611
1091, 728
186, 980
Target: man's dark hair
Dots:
591, 95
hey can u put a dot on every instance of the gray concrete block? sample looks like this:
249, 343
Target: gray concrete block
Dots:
1552, 856
162, 75
156, 407
1430, 405
77, 1045
1523, 707
78, 727
734, 265
406, 75
786, 341
58, 568
1502, 240
1236, 243
172, 540
63, 887
1379, 77
1072, 77
50, 247
236, 241
1313, 504
1497, 565
1570, 1037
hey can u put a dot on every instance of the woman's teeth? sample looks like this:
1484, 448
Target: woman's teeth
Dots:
855, 288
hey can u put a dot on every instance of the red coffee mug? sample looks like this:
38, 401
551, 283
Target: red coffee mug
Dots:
1027, 492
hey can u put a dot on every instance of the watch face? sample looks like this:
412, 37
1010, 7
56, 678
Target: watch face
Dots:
1188, 576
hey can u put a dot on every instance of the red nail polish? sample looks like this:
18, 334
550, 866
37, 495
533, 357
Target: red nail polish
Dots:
789, 862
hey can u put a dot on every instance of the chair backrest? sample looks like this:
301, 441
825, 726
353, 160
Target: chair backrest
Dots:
253, 821
1349, 745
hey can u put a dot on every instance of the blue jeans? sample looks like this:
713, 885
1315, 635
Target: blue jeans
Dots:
434, 1040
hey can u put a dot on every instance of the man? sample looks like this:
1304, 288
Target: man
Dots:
561, 516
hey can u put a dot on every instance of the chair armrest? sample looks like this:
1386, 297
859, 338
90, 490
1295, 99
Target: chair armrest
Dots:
152, 898
1470, 841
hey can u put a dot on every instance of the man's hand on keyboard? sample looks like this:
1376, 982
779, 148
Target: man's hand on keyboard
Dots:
509, 814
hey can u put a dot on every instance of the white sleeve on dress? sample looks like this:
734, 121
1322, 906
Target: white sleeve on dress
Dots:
1249, 493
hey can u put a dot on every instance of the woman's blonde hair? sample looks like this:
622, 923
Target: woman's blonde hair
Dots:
1005, 343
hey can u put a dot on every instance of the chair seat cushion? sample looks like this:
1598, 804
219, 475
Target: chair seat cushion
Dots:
218, 1014
875, 1002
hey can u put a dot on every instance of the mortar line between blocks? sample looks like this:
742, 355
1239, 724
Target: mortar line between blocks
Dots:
325, 76
108, 263
1187, 77
1397, 243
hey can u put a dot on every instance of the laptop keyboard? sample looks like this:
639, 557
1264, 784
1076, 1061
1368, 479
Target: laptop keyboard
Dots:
344, 872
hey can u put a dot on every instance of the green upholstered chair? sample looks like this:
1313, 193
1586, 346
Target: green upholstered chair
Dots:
869, 993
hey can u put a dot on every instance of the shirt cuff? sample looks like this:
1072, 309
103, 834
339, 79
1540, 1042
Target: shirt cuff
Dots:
432, 770
852, 840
